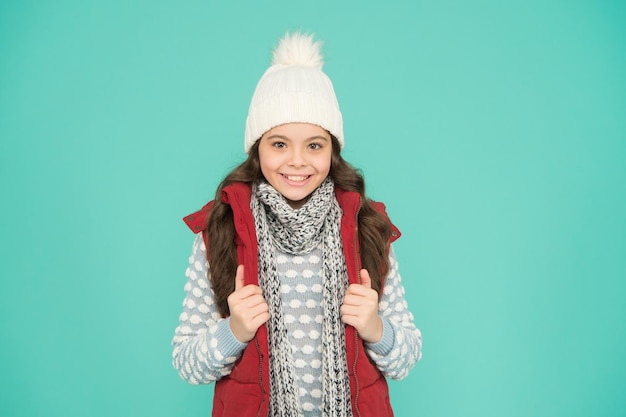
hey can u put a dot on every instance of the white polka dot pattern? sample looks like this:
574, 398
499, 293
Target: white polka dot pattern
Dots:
395, 361
301, 306
204, 349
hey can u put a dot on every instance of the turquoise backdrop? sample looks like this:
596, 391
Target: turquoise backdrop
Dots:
495, 132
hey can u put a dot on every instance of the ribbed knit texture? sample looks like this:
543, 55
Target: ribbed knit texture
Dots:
294, 89
205, 349
298, 232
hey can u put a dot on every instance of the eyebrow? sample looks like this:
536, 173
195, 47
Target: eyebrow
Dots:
276, 136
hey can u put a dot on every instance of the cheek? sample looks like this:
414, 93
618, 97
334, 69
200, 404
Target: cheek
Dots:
266, 163
326, 170
324, 164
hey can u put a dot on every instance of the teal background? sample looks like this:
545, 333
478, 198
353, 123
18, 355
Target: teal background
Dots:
494, 131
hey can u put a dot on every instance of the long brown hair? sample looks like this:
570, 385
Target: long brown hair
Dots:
374, 230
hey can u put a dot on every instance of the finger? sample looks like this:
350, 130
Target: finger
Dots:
239, 279
358, 290
365, 278
253, 300
259, 320
248, 291
350, 320
352, 310
244, 299
353, 300
247, 297
346, 310
258, 311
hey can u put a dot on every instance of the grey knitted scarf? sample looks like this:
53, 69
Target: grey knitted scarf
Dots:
297, 232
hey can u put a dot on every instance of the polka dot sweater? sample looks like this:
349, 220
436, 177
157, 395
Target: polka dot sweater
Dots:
205, 349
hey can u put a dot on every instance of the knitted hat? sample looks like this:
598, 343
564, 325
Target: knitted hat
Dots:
294, 90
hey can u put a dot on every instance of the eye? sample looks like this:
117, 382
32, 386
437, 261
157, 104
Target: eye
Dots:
279, 144
315, 146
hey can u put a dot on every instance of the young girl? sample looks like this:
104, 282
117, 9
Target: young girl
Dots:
301, 312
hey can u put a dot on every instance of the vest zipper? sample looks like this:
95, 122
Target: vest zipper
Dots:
356, 335
258, 348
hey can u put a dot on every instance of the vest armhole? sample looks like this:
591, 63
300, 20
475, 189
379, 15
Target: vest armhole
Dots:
197, 221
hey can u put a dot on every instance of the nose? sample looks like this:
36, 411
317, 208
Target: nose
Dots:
297, 158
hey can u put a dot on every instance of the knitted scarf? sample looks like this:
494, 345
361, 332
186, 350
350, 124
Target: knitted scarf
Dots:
297, 232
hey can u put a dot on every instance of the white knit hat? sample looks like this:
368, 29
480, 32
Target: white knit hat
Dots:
294, 90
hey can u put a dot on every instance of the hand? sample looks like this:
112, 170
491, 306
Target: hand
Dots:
360, 309
248, 309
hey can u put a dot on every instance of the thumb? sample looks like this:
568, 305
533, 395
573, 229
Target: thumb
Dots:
239, 280
365, 278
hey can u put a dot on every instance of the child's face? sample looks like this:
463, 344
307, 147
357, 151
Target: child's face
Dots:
295, 159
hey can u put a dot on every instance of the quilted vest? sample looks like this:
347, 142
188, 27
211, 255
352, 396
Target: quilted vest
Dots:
245, 391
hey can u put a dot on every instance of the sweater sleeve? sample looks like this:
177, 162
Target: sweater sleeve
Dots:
204, 347
401, 345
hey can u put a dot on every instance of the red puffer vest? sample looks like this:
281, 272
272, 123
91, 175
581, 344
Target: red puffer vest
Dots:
245, 392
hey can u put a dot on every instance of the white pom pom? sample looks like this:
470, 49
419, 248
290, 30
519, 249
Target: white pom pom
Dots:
298, 49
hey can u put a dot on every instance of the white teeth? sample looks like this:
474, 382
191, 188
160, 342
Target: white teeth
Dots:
295, 178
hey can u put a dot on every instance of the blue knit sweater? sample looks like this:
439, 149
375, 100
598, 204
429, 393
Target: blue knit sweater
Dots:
205, 348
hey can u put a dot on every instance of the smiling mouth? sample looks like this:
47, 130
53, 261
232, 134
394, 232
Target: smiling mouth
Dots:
296, 178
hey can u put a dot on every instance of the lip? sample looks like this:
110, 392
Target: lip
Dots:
296, 180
